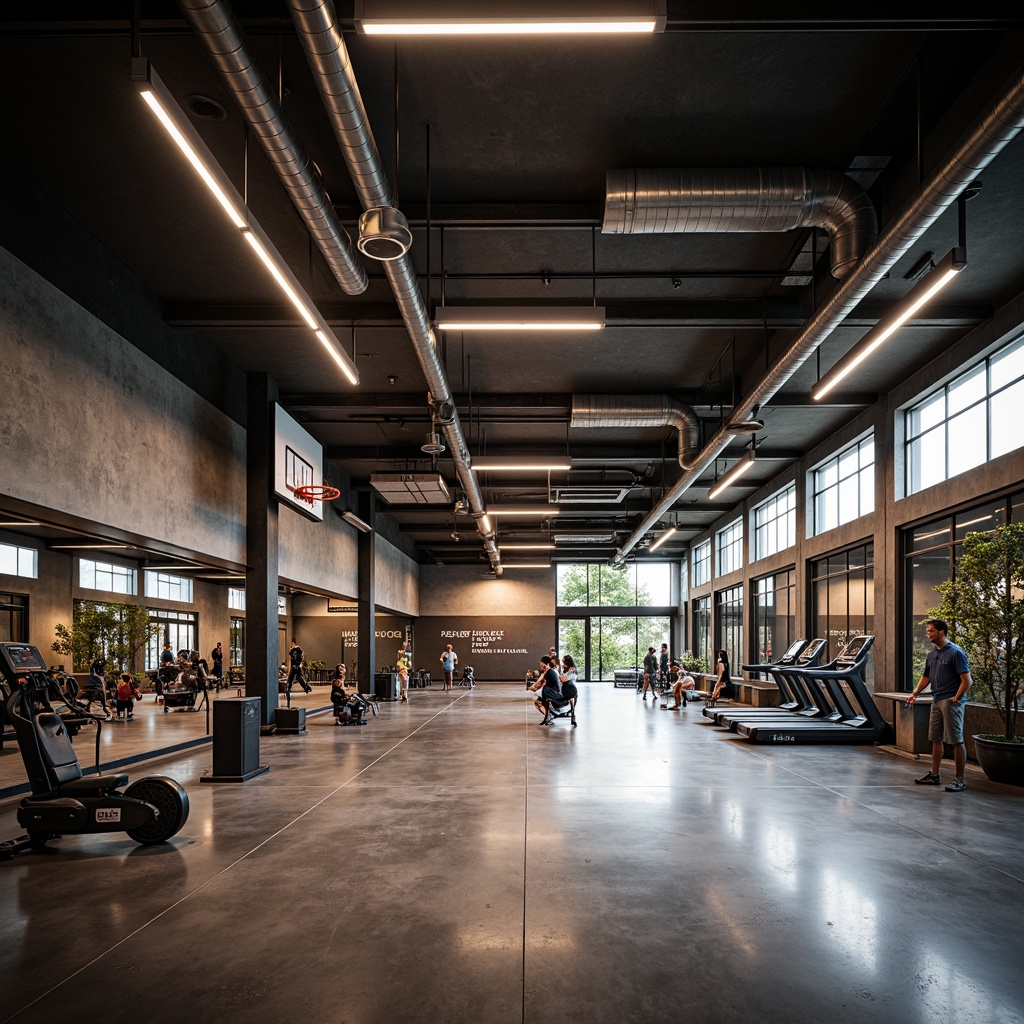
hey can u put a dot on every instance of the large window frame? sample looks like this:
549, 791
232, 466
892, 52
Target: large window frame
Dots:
729, 625
774, 616
773, 524
700, 558
166, 587
842, 591
700, 612
966, 422
180, 629
598, 585
18, 560
107, 577
729, 548
843, 486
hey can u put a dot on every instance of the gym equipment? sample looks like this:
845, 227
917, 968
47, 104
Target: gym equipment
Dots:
64, 801
836, 689
796, 698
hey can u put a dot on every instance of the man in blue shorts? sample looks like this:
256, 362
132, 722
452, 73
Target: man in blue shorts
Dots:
950, 675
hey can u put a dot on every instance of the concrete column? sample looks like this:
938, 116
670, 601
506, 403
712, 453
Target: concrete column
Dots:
261, 548
367, 598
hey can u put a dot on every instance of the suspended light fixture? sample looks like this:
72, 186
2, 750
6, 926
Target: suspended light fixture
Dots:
520, 318
733, 475
664, 537
167, 112
524, 510
433, 444
927, 288
471, 17
521, 463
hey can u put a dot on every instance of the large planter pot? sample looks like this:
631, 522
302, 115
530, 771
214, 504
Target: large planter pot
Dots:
1000, 761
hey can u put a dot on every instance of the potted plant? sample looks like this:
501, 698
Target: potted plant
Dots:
984, 605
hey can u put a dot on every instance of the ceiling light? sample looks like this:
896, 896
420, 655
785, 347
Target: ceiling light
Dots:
515, 463
526, 547
664, 537
524, 510
746, 425
19, 522
527, 565
192, 147
405, 17
733, 475
944, 271
353, 520
86, 546
520, 318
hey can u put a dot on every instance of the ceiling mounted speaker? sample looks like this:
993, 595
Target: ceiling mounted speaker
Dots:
384, 234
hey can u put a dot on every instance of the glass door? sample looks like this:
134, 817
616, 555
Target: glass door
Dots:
574, 640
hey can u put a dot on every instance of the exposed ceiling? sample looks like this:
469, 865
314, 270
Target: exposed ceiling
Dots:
497, 152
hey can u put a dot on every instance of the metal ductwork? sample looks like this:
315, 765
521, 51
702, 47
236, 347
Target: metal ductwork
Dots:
625, 411
317, 26
217, 28
773, 199
998, 125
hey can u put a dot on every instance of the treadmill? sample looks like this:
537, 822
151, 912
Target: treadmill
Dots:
845, 723
797, 697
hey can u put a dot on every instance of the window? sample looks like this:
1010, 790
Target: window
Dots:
729, 623
967, 422
844, 486
702, 563
179, 629
930, 552
18, 561
581, 585
14, 618
168, 588
729, 549
775, 616
774, 522
702, 630
237, 641
843, 596
115, 579
236, 599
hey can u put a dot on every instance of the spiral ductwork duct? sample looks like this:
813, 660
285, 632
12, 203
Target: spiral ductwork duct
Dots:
759, 199
997, 126
317, 26
626, 411
219, 31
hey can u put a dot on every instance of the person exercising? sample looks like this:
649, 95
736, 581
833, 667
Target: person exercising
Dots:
296, 656
549, 684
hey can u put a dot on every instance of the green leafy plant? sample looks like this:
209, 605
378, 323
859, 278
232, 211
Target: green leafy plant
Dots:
115, 630
315, 665
984, 606
693, 662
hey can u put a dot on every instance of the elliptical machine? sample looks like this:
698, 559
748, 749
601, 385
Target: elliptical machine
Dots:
64, 801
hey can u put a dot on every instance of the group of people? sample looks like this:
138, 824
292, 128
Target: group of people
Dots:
665, 672
557, 681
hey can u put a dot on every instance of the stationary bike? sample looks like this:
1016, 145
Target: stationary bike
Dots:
64, 801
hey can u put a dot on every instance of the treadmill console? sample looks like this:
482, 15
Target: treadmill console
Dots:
19, 660
854, 648
812, 652
789, 658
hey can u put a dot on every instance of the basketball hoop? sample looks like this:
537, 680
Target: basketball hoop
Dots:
311, 493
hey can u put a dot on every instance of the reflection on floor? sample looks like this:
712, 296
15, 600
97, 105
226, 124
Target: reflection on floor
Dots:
454, 861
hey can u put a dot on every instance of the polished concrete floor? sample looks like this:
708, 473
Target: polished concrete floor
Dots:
453, 861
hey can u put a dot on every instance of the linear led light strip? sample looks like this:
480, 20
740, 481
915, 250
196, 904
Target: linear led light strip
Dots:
192, 147
477, 28
520, 318
944, 271
732, 476
664, 537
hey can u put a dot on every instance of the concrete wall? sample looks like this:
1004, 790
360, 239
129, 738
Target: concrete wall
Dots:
461, 590
156, 453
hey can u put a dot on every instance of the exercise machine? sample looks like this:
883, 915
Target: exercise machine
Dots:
852, 715
798, 698
64, 800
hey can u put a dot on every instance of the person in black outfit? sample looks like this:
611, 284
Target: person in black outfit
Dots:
549, 684
95, 688
217, 658
651, 673
296, 656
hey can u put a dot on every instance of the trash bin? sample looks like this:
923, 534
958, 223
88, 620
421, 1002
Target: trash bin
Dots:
385, 685
236, 740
